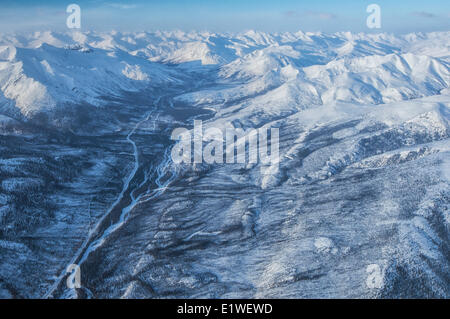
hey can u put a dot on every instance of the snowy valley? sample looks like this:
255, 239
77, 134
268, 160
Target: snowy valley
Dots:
357, 207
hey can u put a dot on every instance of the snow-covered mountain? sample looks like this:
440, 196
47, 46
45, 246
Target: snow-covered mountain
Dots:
356, 206
44, 77
44, 70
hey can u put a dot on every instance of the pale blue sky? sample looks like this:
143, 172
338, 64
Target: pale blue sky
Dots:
227, 15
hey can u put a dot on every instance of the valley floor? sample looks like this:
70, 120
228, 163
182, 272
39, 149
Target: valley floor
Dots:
356, 207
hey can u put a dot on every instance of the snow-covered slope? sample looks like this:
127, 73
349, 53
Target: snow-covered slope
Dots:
42, 78
40, 71
361, 187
